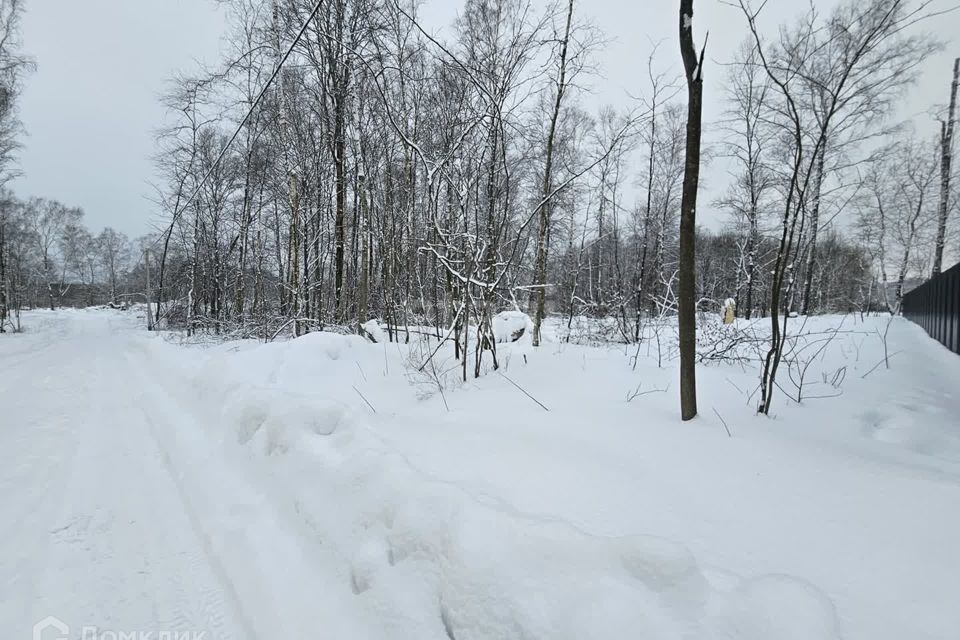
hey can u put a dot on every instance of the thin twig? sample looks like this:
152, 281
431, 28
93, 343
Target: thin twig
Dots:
637, 393
364, 399
885, 359
729, 435
523, 390
734, 385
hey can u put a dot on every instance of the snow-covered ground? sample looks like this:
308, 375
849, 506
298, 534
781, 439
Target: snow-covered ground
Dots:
325, 488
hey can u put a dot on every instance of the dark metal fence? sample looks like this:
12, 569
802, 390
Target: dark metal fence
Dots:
935, 306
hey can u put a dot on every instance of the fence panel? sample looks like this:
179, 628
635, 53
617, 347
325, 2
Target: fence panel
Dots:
935, 306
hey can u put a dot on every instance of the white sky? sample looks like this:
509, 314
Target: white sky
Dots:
91, 107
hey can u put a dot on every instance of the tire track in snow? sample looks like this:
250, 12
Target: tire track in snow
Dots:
115, 550
37, 454
286, 584
206, 599
212, 601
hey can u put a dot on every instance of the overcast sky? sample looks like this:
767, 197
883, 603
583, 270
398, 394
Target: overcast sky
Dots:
91, 107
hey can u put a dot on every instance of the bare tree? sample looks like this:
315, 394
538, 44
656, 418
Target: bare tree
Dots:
946, 160
749, 146
13, 65
693, 69
898, 212
49, 220
871, 58
540, 266
114, 251
661, 90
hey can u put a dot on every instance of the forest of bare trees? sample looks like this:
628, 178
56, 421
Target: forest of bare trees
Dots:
48, 257
391, 174
344, 163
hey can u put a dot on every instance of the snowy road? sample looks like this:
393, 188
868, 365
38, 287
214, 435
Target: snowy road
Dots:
246, 491
96, 530
119, 514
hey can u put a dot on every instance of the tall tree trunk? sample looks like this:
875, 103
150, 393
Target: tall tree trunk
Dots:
293, 253
245, 213
946, 158
752, 241
364, 240
4, 297
540, 278
648, 217
908, 246
814, 228
341, 212
686, 305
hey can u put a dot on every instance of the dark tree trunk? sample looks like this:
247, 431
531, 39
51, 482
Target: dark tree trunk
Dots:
4, 298
686, 305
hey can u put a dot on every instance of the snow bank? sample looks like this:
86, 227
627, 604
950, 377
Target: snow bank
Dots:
497, 519
777, 606
431, 558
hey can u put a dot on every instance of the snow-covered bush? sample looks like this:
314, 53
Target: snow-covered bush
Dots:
510, 326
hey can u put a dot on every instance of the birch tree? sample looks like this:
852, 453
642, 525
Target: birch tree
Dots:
540, 266
748, 144
946, 161
872, 57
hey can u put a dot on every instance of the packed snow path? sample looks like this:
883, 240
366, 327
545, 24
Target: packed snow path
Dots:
248, 491
118, 516
96, 529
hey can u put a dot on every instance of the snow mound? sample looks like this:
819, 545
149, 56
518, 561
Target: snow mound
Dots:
510, 326
778, 606
519, 578
429, 558
275, 421
374, 331
324, 495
